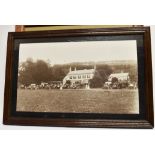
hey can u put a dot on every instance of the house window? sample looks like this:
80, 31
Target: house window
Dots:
79, 76
74, 77
88, 76
70, 77
84, 76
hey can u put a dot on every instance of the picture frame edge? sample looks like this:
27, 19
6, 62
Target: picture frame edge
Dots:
148, 123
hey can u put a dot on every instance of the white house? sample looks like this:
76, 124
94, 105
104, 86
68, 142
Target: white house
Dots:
81, 76
122, 77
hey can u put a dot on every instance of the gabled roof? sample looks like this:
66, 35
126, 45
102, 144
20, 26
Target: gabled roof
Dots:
84, 71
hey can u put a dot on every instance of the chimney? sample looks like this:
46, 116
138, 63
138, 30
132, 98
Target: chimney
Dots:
95, 67
70, 69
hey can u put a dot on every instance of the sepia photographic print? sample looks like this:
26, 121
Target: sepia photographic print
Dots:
78, 77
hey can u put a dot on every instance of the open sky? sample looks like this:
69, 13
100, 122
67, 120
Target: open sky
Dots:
67, 52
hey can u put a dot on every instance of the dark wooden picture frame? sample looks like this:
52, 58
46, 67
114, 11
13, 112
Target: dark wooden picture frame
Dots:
145, 118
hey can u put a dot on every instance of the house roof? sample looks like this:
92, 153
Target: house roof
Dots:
119, 75
84, 71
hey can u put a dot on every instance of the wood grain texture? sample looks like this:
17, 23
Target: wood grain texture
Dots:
147, 122
22, 28
19, 28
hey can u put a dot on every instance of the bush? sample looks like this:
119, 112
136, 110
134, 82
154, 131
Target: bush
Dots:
96, 82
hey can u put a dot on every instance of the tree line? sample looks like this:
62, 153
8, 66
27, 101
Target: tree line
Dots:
42, 71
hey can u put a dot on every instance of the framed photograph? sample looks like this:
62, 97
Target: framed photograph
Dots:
80, 78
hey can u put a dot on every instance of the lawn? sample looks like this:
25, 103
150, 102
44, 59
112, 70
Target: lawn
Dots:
84, 101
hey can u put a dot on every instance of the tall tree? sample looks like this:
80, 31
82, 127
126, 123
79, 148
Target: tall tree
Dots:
34, 72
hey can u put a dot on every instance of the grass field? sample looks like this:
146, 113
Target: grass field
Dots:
85, 101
